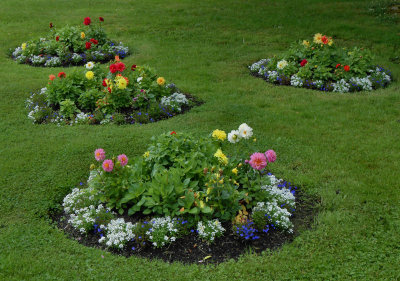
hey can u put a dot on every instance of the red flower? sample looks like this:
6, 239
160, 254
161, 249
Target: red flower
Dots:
109, 90
87, 21
346, 68
51, 25
173, 133
133, 67
94, 41
324, 39
120, 66
104, 82
58, 38
303, 62
88, 45
101, 19
338, 65
62, 75
113, 68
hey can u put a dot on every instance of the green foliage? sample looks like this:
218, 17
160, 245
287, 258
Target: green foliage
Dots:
68, 108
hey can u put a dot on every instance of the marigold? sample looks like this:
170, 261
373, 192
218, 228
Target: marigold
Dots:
219, 135
160, 81
89, 75
221, 157
318, 38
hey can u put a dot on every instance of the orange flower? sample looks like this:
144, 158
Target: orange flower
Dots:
52, 77
116, 58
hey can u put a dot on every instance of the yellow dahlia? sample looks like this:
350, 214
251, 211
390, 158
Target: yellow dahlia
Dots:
221, 157
89, 75
160, 81
318, 38
83, 35
23, 46
219, 134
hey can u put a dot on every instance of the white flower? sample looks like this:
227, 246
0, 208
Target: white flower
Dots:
234, 136
89, 65
281, 64
139, 79
245, 131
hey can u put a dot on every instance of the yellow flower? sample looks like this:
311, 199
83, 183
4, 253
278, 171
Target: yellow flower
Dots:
201, 204
89, 75
219, 134
146, 154
209, 190
240, 165
221, 157
330, 42
92, 167
23, 46
254, 139
83, 35
160, 81
235, 171
306, 43
318, 38
221, 181
121, 83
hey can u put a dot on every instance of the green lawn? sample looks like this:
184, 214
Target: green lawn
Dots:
325, 141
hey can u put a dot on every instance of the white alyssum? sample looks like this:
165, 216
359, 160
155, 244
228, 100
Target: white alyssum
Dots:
163, 231
52, 62
341, 86
175, 100
296, 81
17, 52
319, 83
279, 217
272, 76
76, 57
255, 67
364, 83
37, 60
118, 233
81, 118
209, 230
84, 219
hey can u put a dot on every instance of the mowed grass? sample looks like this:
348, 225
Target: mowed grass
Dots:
343, 147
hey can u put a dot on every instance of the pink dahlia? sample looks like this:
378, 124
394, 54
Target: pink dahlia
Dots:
258, 161
271, 155
99, 154
108, 165
123, 160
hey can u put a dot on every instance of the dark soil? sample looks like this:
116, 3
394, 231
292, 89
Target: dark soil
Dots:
190, 249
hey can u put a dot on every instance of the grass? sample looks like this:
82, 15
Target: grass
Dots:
343, 147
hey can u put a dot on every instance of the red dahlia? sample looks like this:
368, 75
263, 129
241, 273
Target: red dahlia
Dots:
133, 67
303, 62
62, 75
346, 68
87, 21
88, 45
101, 19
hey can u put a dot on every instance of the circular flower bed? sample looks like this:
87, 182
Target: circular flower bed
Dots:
183, 190
321, 65
70, 45
120, 95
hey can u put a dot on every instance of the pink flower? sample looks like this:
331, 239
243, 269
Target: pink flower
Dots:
271, 155
99, 154
108, 165
123, 160
258, 161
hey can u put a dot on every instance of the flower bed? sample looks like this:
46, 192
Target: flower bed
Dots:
183, 187
70, 45
97, 96
321, 65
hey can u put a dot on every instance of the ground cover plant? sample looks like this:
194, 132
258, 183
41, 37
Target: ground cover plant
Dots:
120, 95
342, 148
70, 45
182, 186
320, 64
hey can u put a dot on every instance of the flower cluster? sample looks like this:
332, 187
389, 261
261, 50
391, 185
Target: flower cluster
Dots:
210, 230
163, 231
321, 65
94, 96
118, 233
247, 231
276, 216
70, 45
